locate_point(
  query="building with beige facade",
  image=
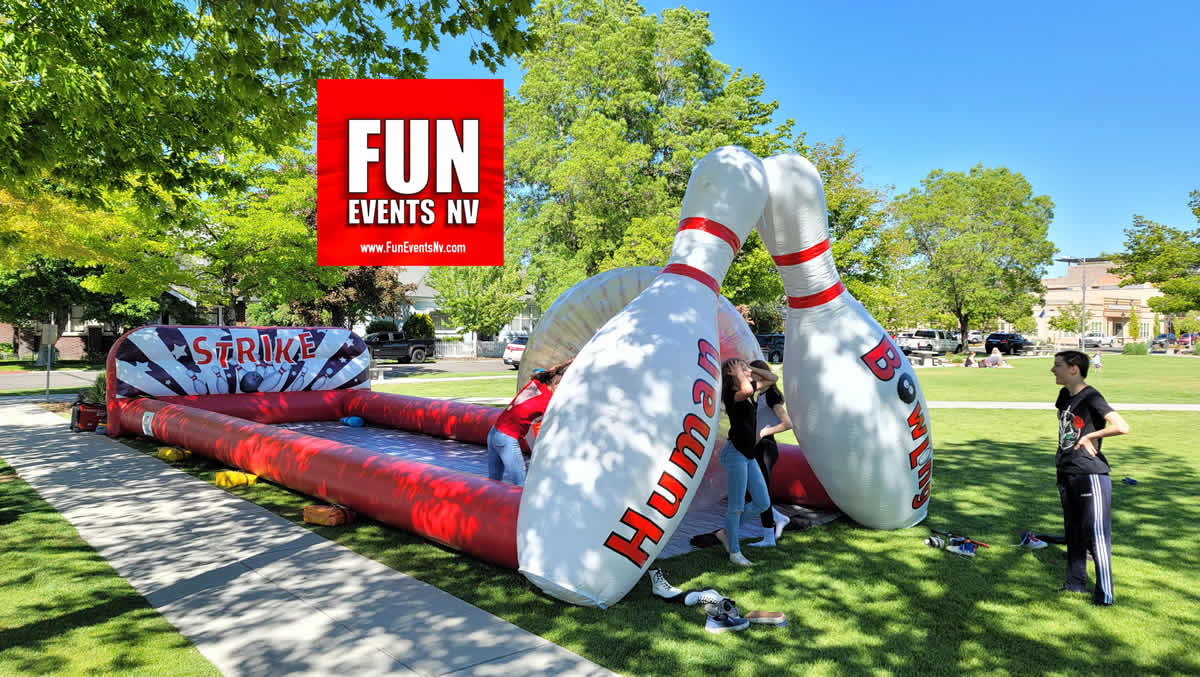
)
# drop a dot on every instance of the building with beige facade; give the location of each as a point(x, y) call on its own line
point(1109, 305)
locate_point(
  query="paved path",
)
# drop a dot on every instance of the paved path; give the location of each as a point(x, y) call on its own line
point(255, 593)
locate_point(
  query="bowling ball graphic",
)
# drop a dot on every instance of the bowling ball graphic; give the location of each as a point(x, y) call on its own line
point(251, 381)
point(906, 388)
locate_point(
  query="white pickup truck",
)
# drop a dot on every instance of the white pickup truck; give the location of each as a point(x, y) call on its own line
point(935, 340)
point(1097, 340)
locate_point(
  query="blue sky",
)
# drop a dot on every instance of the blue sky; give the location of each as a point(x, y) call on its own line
point(1097, 104)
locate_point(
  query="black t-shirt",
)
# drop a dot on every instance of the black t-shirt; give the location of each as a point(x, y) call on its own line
point(1080, 415)
point(743, 421)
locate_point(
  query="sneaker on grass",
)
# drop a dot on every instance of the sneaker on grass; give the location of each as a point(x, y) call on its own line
point(1030, 541)
point(725, 623)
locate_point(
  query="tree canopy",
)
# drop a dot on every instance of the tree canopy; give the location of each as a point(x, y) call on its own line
point(983, 237)
point(1167, 257)
point(481, 299)
point(99, 93)
point(602, 135)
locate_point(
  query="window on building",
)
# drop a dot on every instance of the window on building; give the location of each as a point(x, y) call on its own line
point(75, 321)
point(1146, 330)
point(1096, 326)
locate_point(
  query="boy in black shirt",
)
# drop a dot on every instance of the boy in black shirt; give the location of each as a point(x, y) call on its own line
point(1084, 486)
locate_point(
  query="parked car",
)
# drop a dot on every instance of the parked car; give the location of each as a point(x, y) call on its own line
point(1095, 339)
point(974, 336)
point(1187, 340)
point(1163, 340)
point(393, 345)
point(937, 340)
point(1009, 344)
point(514, 350)
point(772, 346)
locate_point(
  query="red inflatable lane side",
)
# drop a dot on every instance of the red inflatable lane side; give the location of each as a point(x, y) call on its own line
point(467, 513)
point(297, 407)
point(793, 480)
point(440, 418)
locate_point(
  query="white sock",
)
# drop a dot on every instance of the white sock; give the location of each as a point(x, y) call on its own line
point(739, 559)
point(781, 521)
point(768, 539)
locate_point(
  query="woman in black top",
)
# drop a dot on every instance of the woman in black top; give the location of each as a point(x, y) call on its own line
point(740, 382)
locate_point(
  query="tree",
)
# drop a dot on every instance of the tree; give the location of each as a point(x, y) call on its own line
point(481, 299)
point(1190, 323)
point(766, 318)
point(1167, 257)
point(30, 293)
point(601, 138)
point(1135, 327)
point(1069, 318)
point(418, 325)
point(358, 292)
point(982, 236)
point(99, 92)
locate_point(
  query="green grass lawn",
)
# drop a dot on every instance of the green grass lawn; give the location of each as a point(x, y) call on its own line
point(860, 601)
point(493, 387)
point(1125, 378)
point(42, 391)
point(28, 365)
point(64, 611)
point(1158, 379)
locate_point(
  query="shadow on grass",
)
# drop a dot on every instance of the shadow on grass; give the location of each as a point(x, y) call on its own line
point(861, 601)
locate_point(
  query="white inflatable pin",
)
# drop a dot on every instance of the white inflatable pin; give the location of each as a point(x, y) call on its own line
point(631, 428)
point(864, 423)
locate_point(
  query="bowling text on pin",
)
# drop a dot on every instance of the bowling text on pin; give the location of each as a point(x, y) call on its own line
point(419, 154)
point(670, 491)
point(884, 362)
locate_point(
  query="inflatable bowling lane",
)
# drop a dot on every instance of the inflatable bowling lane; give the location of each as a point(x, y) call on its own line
point(864, 422)
point(632, 426)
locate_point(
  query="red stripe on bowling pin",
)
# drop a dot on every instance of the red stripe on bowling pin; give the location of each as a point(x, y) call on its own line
point(818, 299)
point(802, 255)
point(712, 228)
point(694, 273)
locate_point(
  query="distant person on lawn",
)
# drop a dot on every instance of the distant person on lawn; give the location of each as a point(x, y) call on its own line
point(1084, 485)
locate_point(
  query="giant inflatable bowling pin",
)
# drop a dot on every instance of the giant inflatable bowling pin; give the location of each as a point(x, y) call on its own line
point(631, 428)
point(857, 409)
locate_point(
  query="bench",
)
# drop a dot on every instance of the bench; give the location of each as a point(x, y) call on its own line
point(928, 358)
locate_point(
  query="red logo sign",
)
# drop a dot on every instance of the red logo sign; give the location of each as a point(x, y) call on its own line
point(410, 172)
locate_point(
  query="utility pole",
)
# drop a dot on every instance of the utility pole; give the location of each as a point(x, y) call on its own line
point(51, 340)
point(1083, 289)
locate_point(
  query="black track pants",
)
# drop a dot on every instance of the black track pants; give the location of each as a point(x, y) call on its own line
point(1088, 521)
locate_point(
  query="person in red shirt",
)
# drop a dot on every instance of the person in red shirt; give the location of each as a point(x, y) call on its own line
point(506, 439)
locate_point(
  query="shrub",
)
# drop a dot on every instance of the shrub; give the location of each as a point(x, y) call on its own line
point(418, 326)
point(451, 339)
point(98, 392)
point(7, 348)
point(1134, 349)
point(377, 326)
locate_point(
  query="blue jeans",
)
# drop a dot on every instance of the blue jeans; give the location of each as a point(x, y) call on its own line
point(504, 457)
point(743, 474)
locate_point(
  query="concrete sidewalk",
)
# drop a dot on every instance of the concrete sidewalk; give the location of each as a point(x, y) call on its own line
point(255, 593)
